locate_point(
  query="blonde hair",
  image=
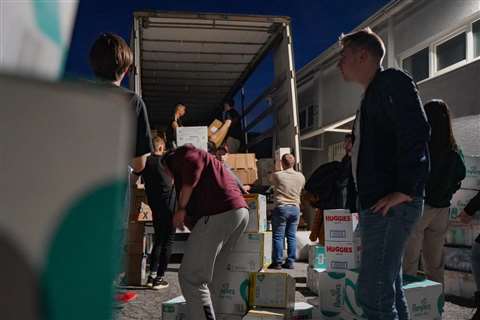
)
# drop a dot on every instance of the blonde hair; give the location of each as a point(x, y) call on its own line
point(364, 39)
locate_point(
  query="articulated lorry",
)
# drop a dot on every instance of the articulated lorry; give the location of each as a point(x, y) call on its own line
point(202, 59)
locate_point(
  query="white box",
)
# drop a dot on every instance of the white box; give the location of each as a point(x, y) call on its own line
point(257, 208)
point(175, 309)
point(459, 284)
point(330, 293)
point(272, 290)
point(230, 292)
point(459, 202)
point(252, 252)
point(301, 311)
point(198, 136)
point(342, 256)
point(472, 178)
point(340, 225)
point(313, 278)
point(424, 297)
point(317, 257)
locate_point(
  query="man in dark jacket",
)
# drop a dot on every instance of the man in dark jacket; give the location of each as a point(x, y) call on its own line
point(390, 163)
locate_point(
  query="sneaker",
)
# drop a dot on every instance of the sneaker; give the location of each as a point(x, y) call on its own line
point(159, 283)
point(150, 281)
point(287, 265)
point(275, 266)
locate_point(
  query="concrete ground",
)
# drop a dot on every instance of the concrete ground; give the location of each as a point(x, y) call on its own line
point(148, 305)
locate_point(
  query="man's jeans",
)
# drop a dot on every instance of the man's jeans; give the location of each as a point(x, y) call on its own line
point(383, 245)
point(284, 223)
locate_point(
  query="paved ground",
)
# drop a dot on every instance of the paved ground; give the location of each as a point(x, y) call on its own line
point(149, 302)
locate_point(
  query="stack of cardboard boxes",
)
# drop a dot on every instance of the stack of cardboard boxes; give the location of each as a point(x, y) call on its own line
point(460, 237)
point(135, 254)
point(244, 165)
point(333, 275)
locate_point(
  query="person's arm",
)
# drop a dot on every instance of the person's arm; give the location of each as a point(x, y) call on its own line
point(174, 124)
point(466, 216)
point(183, 198)
point(403, 111)
point(143, 141)
point(138, 164)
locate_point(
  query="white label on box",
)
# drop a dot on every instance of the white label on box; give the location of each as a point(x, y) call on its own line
point(459, 202)
point(231, 292)
point(340, 225)
point(198, 136)
point(257, 208)
point(472, 178)
point(174, 309)
point(342, 256)
point(330, 292)
point(272, 290)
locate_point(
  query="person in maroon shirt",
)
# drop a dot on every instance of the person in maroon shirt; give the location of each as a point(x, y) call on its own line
point(209, 195)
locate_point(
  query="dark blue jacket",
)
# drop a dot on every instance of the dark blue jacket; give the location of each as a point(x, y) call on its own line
point(394, 133)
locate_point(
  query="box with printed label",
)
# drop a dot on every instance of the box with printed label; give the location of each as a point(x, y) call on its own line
point(330, 293)
point(459, 284)
point(301, 311)
point(231, 292)
point(257, 207)
point(252, 252)
point(175, 309)
point(424, 297)
point(342, 256)
point(317, 257)
point(272, 290)
point(472, 177)
point(459, 202)
point(198, 136)
point(340, 225)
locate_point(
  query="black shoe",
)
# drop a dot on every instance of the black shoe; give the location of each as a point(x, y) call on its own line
point(150, 281)
point(159, 283)
point(287, 265)
point(275, 266)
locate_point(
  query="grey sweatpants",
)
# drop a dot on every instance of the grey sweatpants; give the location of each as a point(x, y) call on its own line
point(206, 253)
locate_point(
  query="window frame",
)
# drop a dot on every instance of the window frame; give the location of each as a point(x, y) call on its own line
point(414, 53)
point(444, 40)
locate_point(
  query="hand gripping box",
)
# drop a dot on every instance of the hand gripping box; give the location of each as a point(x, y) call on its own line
point(174, 309)
point(252, 252)
point(424, 297)
point(272, 290)
point(257, 207)
point(316, 257)
point(342, 256)
point(230, 292)
point(340, 225)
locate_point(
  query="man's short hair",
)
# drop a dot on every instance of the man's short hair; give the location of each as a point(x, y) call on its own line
point(230, 102)
point(158, 142)
point(364, 39)
point(288, 161)
point(110, 57)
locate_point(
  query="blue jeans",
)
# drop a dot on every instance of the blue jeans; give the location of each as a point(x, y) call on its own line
point(284, 223)
point(383, 245)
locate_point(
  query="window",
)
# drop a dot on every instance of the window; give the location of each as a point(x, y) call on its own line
point(452, 51)
point(417, 65)
point(476, 38)
point(303, 119)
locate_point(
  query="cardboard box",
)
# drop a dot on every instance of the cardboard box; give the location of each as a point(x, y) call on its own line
point(241, 161)
point(246, 176)
point(265, 168)
point(139, 208)
point(230, 292)
point(331, 287)
point(214, 126)
point(301, 311)
point(472, 178)
point(263, 315)
point(257, 207)
point(342, 256)
point(459, 202)
point(272, 290)
point(174, 309)
point(135, 232)
point(252, 252)
point(459, 284)
point(424, 297)
point(317, 258)
point(340, 225)
point(198, 136)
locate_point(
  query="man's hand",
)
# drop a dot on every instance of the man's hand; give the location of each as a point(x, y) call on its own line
point(465, 217)
point(179, 219)
point(390, 201)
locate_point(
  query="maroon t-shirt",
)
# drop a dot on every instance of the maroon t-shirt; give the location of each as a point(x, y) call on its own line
point(215, 190)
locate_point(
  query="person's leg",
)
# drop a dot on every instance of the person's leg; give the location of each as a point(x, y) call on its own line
point(203, 246)
point(156, 249)
point(278, 235)
point(167, 234)
point(383, 245)
point(414, 244)
point(433, 245)
point(291, 233)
